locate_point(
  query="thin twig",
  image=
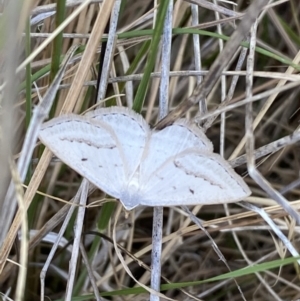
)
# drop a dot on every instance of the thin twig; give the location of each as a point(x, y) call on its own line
point(163, 109)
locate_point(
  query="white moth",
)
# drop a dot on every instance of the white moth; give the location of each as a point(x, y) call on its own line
point(115, 149)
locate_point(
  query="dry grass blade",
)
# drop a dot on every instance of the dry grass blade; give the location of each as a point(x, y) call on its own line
point(254, 173)
point(88, 55)
point(268, 149)
point(39, 115)
point(21, 284)
point(77, 239)
point(202, 90)
point(216, 8)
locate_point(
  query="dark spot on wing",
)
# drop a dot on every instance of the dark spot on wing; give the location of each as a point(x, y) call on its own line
point(192, 191)
point(84, 159)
